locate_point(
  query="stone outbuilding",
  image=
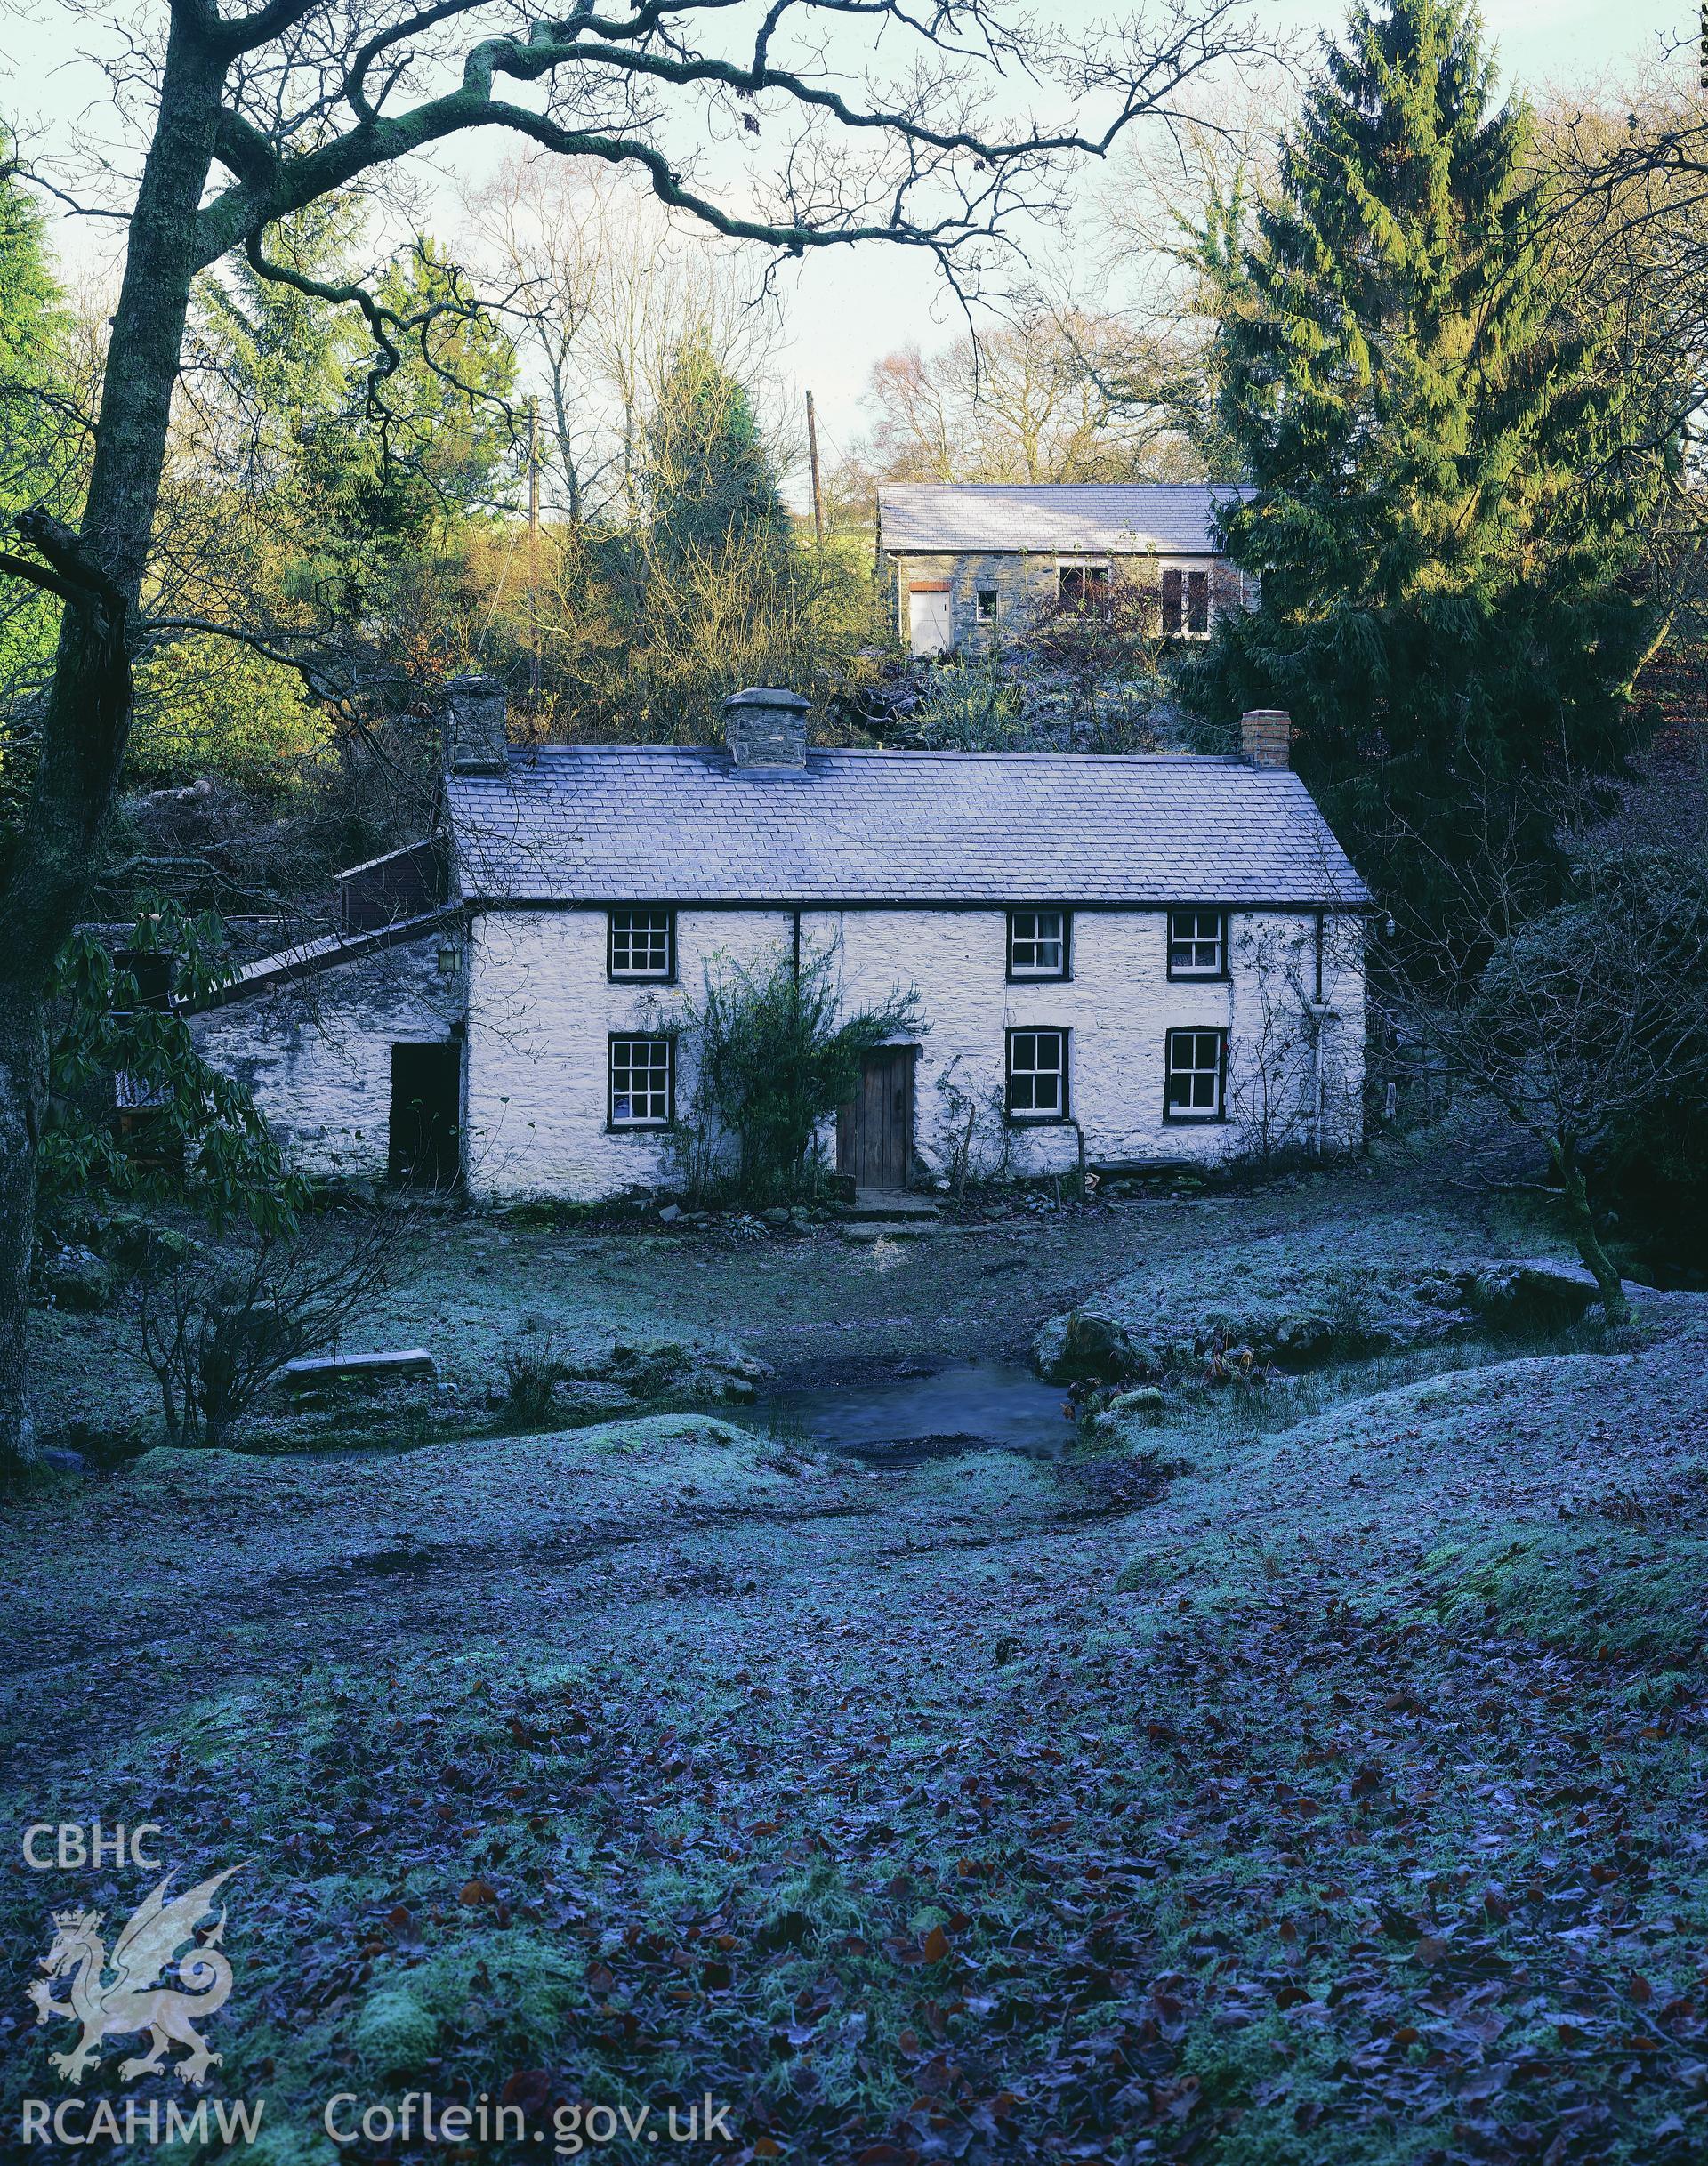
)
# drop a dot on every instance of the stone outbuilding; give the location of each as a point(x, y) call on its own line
point(1119, 960)
point(970, 564)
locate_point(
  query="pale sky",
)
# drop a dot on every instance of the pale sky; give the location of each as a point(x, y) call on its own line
point(846, 310)
point(849, 310)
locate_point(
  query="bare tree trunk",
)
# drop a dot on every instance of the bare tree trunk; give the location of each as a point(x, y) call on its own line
point(64, 828)
point(1581, 1219)
point(23, 1093)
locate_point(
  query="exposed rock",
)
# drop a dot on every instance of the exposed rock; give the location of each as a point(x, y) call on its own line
point(713, 1371)
point(1299, 1316)
point(74, 1278)
point(1084, 1345)
point(1147, 1400)
point(1534, 1291)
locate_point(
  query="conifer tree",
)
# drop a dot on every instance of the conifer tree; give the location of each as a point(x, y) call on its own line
point(710, 477)
point(1447, 547)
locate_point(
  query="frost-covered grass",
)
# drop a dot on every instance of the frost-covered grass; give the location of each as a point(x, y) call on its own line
point(1338, 1806)
point(1617, 1593)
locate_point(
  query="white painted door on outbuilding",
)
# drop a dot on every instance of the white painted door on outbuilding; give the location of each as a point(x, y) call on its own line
point(931, 628)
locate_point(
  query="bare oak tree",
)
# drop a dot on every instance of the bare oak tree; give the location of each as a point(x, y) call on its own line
point(795, 124)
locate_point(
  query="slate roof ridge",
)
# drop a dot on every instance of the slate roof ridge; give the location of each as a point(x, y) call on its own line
point(521, 755)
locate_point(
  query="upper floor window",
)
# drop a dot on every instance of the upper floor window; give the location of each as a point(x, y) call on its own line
point(1197, 944)
point(1037, 944)
point(1197, 1074)
point(642, 943)
point(1037, 1075)
point(1186, 603)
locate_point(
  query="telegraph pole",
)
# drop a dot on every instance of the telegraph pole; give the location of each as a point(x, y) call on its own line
point(533, 471)
point(812, 458)
point(533, 670)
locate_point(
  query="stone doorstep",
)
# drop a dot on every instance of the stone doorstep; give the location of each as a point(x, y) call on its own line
point(887, 1229)
point(873, 1206)
point(312, 1370)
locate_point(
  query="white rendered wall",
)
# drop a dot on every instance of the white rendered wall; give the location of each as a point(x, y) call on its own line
point(316, 1052)
point(541, 1010)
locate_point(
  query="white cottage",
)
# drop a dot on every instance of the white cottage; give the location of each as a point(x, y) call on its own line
point(1121, 960)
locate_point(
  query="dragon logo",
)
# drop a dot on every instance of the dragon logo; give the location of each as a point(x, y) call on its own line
point(133, 1998)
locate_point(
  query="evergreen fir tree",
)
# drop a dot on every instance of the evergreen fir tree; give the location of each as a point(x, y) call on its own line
point(709, 478)
point(1448, 600)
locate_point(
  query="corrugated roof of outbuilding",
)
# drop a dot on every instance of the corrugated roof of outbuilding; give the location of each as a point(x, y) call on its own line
point(1112, 519)
point(683, 824)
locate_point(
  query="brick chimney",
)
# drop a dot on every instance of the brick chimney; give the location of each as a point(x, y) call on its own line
point(766, 725)
point(475, 738)
point(1266, 737)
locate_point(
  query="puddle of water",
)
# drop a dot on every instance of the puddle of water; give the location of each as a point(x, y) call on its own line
point(970, 1407)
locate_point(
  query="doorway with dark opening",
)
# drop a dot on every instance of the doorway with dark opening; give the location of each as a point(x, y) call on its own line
point(426, 1114)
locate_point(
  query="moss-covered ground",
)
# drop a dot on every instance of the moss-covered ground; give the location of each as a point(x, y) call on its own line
point(1335, 1796)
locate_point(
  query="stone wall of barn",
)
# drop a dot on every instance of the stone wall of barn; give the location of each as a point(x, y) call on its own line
point(541, 1011)
point(316, 1051)
point(1020, 584)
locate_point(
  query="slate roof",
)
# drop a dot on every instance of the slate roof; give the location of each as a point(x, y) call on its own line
point(666, 823)
point(308, 957)
point(1172, 517)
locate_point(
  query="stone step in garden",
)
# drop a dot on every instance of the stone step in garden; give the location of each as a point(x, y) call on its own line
point(887, 1229)
point(315, 1371)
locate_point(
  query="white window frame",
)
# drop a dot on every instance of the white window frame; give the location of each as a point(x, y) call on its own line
point(1084, 565)
point(1030, 1075)
point(656, 1043)
point(1197, 939)
point(1186, 567)
point(1030, 972)
point(649, 973)
point(1215, 1108)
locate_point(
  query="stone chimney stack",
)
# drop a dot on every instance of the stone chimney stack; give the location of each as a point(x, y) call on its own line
point(1266, 737)
point(766, 725)
point(475, 738)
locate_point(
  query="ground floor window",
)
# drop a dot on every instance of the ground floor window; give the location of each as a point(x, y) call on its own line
point(1085, 587)
point(643, 1081)
point(1037, 1075)
point(1186, 603)
point(984, 599)
point(1197, 1073)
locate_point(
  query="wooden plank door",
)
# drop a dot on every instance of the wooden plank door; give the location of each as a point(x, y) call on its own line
point(874, 1130)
